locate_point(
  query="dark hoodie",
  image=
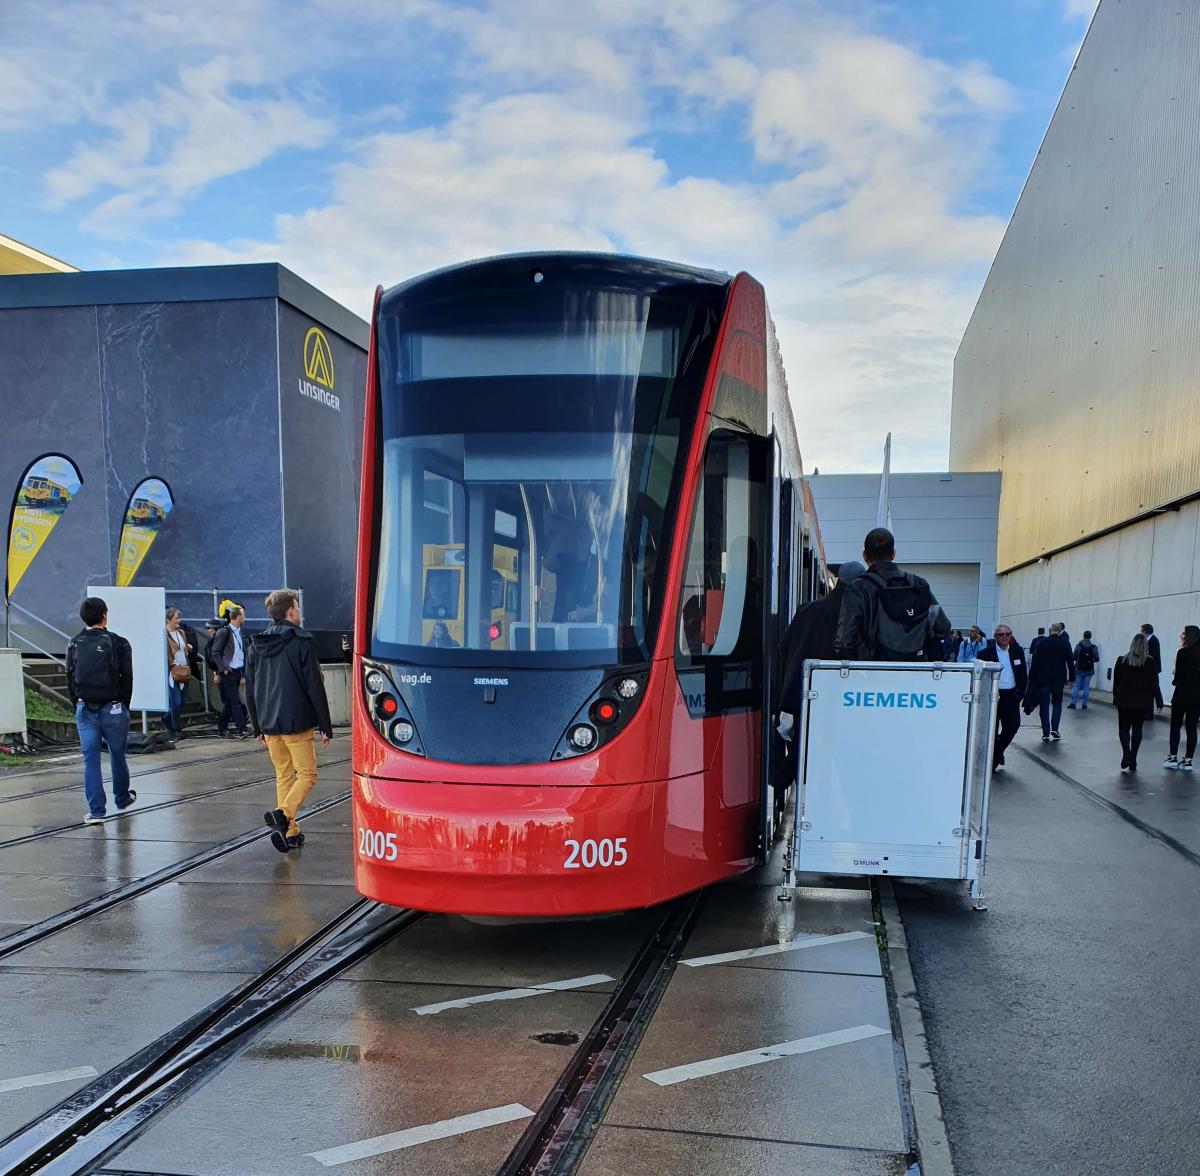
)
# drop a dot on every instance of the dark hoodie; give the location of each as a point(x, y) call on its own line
point(283, 683)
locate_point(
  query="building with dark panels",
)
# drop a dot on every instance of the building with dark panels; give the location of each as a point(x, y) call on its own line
point(241, 386)
point(1079, 373)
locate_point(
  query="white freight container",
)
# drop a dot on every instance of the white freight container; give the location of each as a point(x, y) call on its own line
point(894, 769)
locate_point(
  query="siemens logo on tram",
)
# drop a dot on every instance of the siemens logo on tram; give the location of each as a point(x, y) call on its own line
point(897, 701)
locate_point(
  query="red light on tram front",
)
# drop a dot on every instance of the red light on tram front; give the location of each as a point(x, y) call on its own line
point(604, 710)
point(494, 631)
point(388, 706)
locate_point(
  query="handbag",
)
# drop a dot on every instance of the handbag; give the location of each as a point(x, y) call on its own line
point(181, 675)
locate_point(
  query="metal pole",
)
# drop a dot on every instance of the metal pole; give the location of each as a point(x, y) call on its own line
point(216, 601)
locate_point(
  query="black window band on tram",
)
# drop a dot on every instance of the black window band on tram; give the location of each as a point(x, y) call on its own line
point(532, 437)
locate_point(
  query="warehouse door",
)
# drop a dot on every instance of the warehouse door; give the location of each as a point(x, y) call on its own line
point(956, 587)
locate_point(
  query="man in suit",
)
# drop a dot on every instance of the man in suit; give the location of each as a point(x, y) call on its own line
point(1052, 668)
point(1154, 648)
point(228, 654)
point(1041, 636)
point(1014, 678)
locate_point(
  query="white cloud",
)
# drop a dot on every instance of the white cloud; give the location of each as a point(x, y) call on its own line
point(1080, 9)
point(854, 156)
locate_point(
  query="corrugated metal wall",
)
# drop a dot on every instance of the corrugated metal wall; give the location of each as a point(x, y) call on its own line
point(1079, 373)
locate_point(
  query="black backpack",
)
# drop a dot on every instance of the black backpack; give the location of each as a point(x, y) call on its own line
point(901, 618)
point(1085, 660)
point(95, 668)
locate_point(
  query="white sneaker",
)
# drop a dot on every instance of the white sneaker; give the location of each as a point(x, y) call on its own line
point(1171, 762)
point(1185, 766)
point(91, 819)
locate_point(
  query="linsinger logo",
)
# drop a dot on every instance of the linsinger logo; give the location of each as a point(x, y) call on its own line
point(318, 367)
point(896, 701)
point(491, 681)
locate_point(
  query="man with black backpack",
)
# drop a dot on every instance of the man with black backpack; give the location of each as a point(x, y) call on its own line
point(1087, 658)
point(100, 683)
point(888, 614)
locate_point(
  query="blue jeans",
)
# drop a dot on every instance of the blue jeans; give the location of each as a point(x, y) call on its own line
point(1083, 683)
point(92, 725)
point(175, 705)
point(1050, 707)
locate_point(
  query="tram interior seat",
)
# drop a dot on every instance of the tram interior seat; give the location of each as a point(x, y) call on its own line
point(563, 636)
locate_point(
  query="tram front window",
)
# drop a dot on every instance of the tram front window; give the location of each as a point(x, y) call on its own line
point(530, 461)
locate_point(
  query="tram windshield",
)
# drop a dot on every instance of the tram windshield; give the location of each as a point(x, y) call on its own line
point(531, 446)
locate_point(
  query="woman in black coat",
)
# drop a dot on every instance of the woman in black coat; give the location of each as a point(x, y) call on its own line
point(1135, 679)
point(1185, 702)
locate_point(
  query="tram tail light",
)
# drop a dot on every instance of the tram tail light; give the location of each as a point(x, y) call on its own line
point(604, 711)
point(387, 706)
point(388, 712)
point(494, 631)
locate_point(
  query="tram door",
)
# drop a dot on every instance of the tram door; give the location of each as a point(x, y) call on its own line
point(775, 619)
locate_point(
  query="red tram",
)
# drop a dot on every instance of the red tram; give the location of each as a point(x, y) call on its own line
point(582, 519)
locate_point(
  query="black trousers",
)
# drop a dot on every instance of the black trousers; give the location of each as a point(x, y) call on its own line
point(1184, 716)
point(1129, 729)
point(1008, 722)
point(232, 709)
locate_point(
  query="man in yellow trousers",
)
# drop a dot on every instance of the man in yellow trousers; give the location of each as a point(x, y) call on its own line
point(288, 706)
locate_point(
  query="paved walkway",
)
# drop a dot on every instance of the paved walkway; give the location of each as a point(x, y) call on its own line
point(1062, 1021)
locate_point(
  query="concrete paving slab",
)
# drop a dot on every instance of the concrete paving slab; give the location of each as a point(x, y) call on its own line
point(95, 856)
point(60, 1020)
point(323, 859)
point(736, 917)
point(622, 1151)
point(354, 1064)
point(845, 1095)
point(497, 955)
point(212, 928)
point(30, 898)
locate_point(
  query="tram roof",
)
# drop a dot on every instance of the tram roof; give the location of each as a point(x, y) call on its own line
point(646, 273)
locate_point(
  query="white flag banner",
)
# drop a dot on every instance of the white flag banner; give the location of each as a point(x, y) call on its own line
point(883, 512)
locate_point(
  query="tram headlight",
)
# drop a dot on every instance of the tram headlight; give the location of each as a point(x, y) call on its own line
point(582, 737)
point(403, 731)
point(375, 681)
point(627, 688)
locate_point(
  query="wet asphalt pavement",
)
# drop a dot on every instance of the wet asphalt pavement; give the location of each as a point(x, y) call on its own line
point(1062, 1022)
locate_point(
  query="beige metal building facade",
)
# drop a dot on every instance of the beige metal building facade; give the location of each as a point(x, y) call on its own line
point(1078, 376)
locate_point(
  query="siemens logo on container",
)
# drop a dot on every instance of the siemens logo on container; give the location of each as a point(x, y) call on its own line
point(896, 701)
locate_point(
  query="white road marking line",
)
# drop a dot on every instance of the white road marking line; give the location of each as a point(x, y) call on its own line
point(417, 1135)
point(775, 948)
point(513, 993)
point(47, 1079)
point(768, 1053)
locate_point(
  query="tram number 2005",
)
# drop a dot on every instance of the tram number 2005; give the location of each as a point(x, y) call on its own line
point(587, 855)
point(381, 846)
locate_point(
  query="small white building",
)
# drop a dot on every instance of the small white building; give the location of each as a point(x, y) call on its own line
point(945, 527)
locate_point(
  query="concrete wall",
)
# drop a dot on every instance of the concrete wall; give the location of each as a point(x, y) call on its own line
point(941, 521)
point(1149, 571)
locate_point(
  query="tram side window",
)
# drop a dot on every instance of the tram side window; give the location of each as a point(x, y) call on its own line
point(722, 583)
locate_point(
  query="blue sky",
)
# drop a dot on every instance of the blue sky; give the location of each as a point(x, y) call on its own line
point(860, 158)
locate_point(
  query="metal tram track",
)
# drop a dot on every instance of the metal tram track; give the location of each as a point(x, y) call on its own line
point(558, 1135)
point(150, 808)
point(106, 1116)
point(27, 936)
point(214, 759)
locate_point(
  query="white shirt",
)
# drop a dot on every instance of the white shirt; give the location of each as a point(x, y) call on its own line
point(178, 647)
point(1008, 680)
point(239, 658)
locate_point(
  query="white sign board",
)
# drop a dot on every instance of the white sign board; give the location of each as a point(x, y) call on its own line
point(140, 616)
point(886, 756)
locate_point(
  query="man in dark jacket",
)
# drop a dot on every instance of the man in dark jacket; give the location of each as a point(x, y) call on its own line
point(1052, 668)
point(228, 653)
point(287, 705)
point(100, 684)
point(1014, 679)
point(1155, 651)
point(865, 609)
point(811, 634)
